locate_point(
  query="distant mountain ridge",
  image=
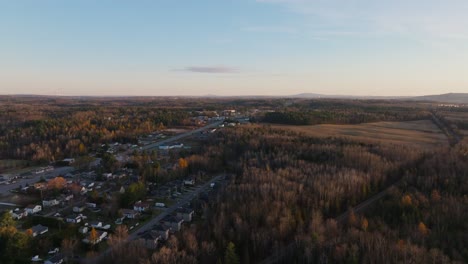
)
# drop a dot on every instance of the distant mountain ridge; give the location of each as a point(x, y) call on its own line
point(451, 98)
point(454, 98)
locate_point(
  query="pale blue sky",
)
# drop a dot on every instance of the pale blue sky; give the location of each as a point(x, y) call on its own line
point(236, 47)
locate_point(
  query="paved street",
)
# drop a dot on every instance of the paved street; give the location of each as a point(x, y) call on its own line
point(180, 202)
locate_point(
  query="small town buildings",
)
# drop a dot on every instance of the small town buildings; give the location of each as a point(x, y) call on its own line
point(150, 240)
point(162, 231)
point(79, 209)
point(39, 230)
point(174, 223)
point(50, 202)
point(100, 236)
point(185, 213)
point(68, 161)
point(74, 219)
point(83, 229)
point(96, 224)
point(33, 209)
point(189, 182)
point(130, 214)
point(141, 206)
point(18, 214)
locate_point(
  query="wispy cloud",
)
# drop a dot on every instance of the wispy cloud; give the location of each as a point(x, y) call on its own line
point(271, 29)
point(209, 69)
point(421, 18)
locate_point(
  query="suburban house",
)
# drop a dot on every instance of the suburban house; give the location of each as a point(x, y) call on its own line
point(39, 230)
point(74, 219)
point(189, 181)
point(79, 209)
point(66, 197)
point(57, 259)
point(174, 223)
point(161, 231)
point(96, 224)
point(185, 213)
point(141, 206)
point(83, 229)
point(50, 202)
point(151, 240)
point(68, 161)
point(100, 236)
point(129, 213)
point(18, 214)
point(32, 209)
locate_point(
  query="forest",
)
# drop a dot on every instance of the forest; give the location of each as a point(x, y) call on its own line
point(289, 197)
point(290, 189)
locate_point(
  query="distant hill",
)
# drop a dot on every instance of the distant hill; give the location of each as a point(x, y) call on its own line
point(455, 98)
point(314, 95)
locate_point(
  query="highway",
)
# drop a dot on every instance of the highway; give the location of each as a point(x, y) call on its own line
point(181, 136)
point(5, 188)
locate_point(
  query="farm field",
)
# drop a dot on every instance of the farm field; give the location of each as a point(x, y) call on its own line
point(422, 134)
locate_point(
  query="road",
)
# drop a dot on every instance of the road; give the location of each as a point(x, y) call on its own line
point(181, 136)
point(154, 221)
point(183, 201)
point(453, 137)
point(4, 189)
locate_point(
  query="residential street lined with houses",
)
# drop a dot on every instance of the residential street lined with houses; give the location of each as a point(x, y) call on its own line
point(189, 196)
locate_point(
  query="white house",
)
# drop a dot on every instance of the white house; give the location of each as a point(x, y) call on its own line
point(50, 202)
point(18, 214)
point(189, 182)
point(79, 209)
point(83, 229)
point(33, 209)
point(74, 219)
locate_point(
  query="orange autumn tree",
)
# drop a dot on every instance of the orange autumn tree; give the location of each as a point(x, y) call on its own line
point(183, 163)
point(56, 183)
point(93, 236)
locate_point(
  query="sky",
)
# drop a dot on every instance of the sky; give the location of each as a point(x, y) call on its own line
point(233, 47)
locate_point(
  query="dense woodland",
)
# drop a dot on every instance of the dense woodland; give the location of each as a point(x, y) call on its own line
point(290, 187)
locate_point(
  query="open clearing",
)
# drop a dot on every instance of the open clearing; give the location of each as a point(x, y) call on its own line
point(422, 133)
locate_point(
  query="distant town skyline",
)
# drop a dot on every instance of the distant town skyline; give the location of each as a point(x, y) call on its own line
point(230, 48)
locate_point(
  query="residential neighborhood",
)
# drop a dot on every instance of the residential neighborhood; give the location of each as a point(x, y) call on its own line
point(91, 201)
